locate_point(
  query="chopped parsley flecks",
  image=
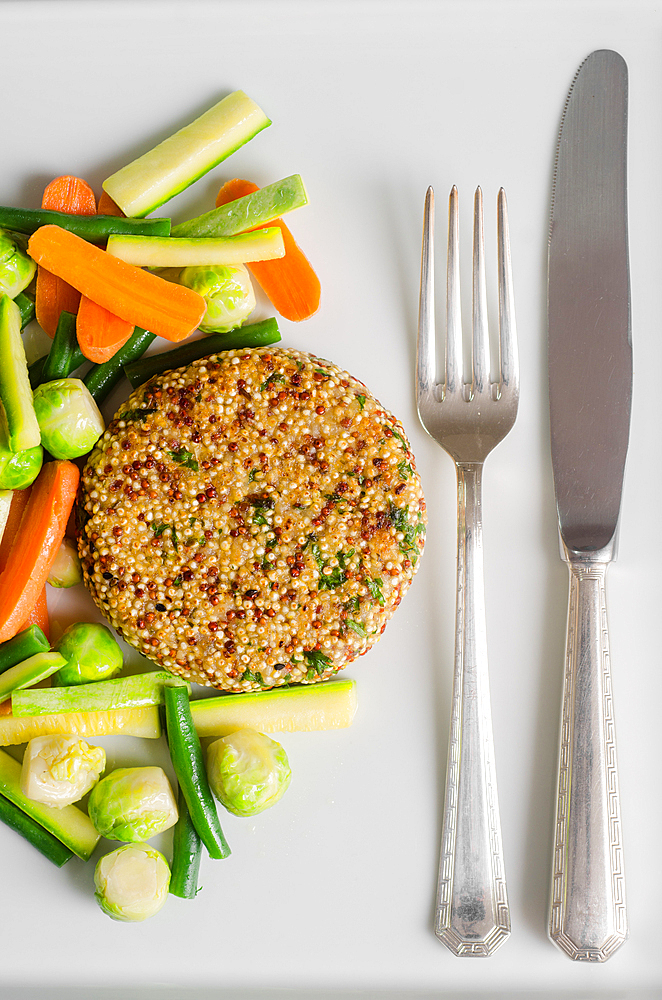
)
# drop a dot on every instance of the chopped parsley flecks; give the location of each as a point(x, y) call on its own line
point(405, 469)
point(317, 663)
point(255, 677)
point(361, 400)
point(158, 530)
point(259, 518)
point(251, 475)
point(273, 378)
point(398, 517)
point(140, 415)
point(357, 627)
point(400, 438)
point(185, 458)
point(374, 586)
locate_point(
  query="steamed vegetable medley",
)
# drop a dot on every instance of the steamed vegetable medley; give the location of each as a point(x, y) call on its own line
point(103, 281)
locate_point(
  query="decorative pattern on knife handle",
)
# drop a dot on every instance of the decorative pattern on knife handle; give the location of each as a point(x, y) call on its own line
point(588, 919)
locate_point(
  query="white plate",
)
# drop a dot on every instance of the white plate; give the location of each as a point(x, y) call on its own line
point(371, 102)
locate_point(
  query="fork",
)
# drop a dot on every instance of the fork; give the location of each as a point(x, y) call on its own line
point(468, 420)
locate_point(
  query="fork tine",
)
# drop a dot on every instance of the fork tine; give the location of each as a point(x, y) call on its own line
point(507, 330)
point(481, 344)
point(425, 346)
point(453, 311)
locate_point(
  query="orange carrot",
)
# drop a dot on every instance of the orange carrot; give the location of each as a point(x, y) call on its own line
point(19, 502)
point(100, 333)
point(38, 615)
point(139, 297)
point(108, 207)
point(36, 543)
point(289, 282)
point(53, 295)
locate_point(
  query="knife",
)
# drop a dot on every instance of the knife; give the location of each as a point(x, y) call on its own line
point(590, 389)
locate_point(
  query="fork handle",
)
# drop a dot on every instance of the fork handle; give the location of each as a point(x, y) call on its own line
point(588, 919)
point(472, 917)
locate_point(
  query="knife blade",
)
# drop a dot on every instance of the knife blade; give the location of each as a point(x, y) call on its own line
point(590, 390)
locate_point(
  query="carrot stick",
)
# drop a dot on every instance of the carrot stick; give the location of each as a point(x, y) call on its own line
point(108, 207)
point(139, 297)
point(38, 538)
point(53, 295)
point(38, 615)
point(100, 333)
point(289, 282)
point(19, 502)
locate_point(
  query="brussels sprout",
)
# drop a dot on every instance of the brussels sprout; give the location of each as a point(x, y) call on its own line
point(16, 268)
point(226, 289)
point(59, 770)
point(247, 771)
point(19, 469)
point(91, 652)
point(132, 803)
point(69, 420)
point(65, 569)
point(131, 883)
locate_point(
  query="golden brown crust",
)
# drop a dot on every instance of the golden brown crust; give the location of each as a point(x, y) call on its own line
point(251, 520)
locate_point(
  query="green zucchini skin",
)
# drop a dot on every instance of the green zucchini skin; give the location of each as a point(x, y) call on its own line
point(254, 335)
point(187, 760)
point(102, 379)
point(34, 833)
point(30, 671)
point(27, 643)
point(163, 252)
point(63, 349)
point(15, 388)
point(70, 824)
point(186, 854)
point(256, 209)
point(98, 696)
point(94, 228)
point(159, 174)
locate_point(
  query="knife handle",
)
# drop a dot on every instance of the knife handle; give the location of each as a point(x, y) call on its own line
point(588, 919)
point(472, 915)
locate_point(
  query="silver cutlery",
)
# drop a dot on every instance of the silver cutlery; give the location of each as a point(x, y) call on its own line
point(590, 387)
point(468, 420)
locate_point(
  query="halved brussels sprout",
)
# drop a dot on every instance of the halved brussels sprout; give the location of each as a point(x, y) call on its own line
point(132, 882)
point(59, 770)
point(18, 469)
point(226, 289)
point(248, 772)
point(91, 652)
point(65, 569)
point(16, 268)
point(132, 803)
point(69, 420)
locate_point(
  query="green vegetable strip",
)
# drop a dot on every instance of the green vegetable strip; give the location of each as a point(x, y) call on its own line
point(27, 643)
point(69, 824)
point(30, 671)
point(186, 756)
point(256, 209)
point(63, 349)
point(102, 379)
point(255, 335)
point(34, 832)
point(26, 306)
point(94, 228)
point(97, 696)
point(186, 854)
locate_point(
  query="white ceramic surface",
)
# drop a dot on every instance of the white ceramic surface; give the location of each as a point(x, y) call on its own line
point(371, 102)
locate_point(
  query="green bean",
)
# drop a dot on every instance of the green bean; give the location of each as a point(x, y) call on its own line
point(95, 228)
point(255, 335)
point(101, 379)
point(63, 349)
point(186, 756)
point(26, 305)
point(186, 854)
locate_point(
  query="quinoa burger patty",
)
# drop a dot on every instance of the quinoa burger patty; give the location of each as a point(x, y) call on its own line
point(251, 520)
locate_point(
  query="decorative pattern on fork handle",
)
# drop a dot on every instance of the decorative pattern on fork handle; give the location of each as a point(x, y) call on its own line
point(468, 421)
